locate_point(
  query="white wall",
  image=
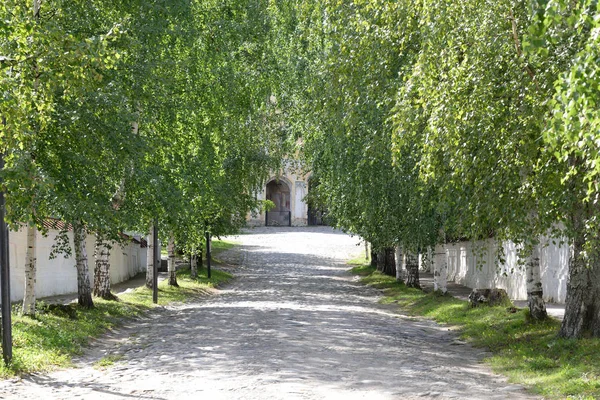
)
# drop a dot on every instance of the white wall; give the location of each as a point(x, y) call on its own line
point(59, 276)
point(476, 265)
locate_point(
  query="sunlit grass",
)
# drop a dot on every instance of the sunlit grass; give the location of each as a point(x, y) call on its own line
point(108, 361)
point(528, 352)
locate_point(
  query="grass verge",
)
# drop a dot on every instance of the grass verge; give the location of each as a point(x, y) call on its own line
point(527, 352)
point(56, 334)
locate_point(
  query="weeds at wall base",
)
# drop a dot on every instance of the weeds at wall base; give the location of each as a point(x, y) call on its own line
point(526, 351)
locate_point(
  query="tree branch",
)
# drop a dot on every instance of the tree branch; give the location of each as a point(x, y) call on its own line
point(511, 16)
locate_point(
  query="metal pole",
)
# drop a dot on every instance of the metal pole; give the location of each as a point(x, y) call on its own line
point(155, 262)
point(5, 277)
point(208, 255)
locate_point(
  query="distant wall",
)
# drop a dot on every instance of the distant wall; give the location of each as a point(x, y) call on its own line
point(476, 265)
point(59, 275)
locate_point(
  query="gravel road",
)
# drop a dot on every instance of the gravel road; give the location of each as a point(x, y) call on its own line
point(294, 324)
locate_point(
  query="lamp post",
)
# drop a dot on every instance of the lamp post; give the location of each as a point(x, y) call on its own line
point(155, 262)
point(5, 275)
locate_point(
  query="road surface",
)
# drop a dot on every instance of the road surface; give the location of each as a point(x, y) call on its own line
point(294, 324)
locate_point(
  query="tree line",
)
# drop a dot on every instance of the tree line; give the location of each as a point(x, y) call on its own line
point(427, 122)
point(115, 115)
point(423, 122)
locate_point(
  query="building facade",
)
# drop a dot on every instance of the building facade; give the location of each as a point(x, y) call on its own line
point(287, 190)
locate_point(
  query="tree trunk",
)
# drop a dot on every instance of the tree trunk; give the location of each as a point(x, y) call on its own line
point(381, 260)
point(399, 260)
point(193, 264)
point(30, 271)
point(535, 299)
point(171, 263)
point(84, 290)
point(102, 271)
point(150, 259)
point(440, 271)
point(390, 262)
point(582, 306)
point(366, 250)
point(373, 258)
point(412, 270)
point(30, 258)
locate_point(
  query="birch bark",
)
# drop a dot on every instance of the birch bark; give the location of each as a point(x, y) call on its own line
point(582, 306)
point(84, 290)
point(535, 300)
point(102, 271)
point(30, 271)
point(412, 270)
point(150, 259)
point(30, 258)
point(193, 265)
point(171, 263)
point(381, 260)
point(400, 271)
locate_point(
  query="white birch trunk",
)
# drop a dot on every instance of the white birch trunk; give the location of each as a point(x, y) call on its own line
point(150, 259)
point(30, 271)
point(193, 265)
point(440, 271)
point(411, 262)
point(102, 271)
point(84, 290)
point(366, 250)
point(535, 300)
point(30, 258)
point(171, 262)
point(400, 271)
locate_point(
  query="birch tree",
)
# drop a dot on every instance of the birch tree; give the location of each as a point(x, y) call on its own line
point(171, 261)
point(563, 45)
point(84, 292)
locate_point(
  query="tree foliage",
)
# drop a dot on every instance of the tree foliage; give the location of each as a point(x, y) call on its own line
point(434, 121)
point(115, 114)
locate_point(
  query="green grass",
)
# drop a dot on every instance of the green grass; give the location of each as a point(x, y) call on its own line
point(53, 337)
point(528, 352)
point(217, 247)
point(221, 245)
point(108, 361)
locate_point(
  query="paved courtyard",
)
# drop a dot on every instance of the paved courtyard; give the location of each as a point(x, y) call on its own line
point(293, 325)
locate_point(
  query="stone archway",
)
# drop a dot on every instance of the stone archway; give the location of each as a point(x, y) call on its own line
point(278, 191)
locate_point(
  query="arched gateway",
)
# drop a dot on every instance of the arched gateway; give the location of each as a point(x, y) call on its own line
point(288, 192)
point(279, 193)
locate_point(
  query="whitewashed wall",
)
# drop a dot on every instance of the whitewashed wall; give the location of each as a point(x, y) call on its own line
point(59, 276)
point(476, 265)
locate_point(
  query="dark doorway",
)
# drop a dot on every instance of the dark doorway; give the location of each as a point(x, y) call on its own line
point(279, 193)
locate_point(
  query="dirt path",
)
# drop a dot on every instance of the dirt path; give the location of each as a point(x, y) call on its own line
point(293, 325)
